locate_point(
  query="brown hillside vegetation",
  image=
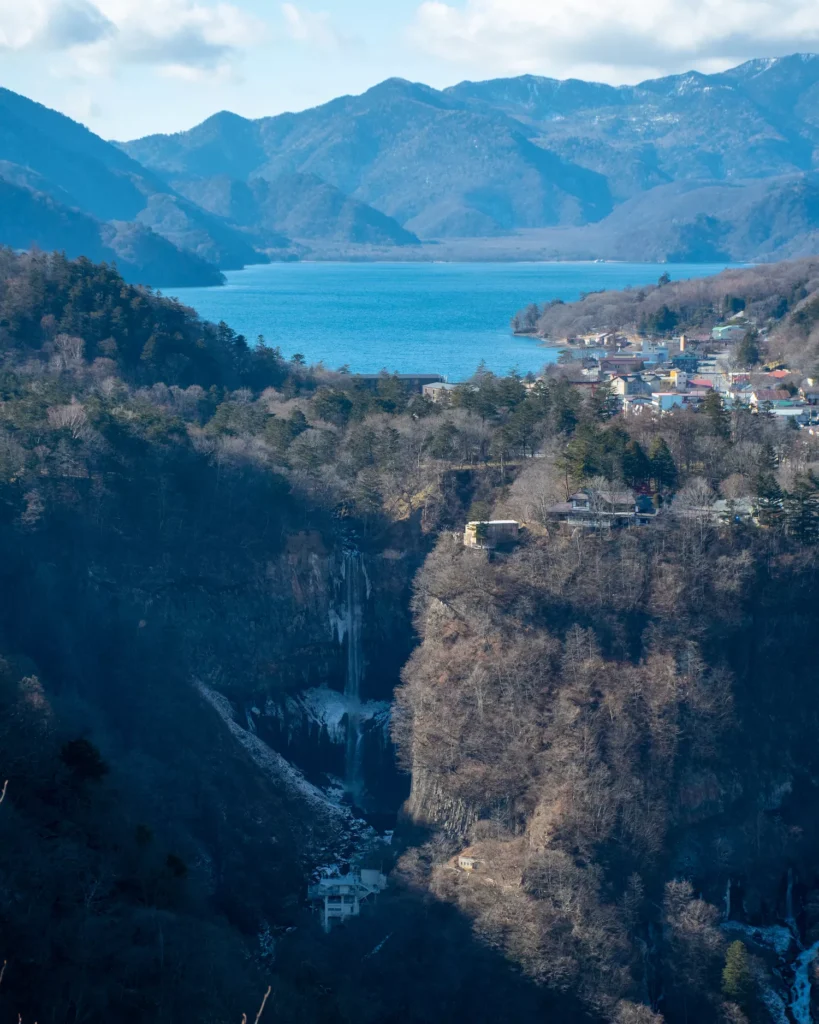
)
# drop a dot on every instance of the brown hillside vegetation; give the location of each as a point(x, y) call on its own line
point(602, 719)
point(772, 295)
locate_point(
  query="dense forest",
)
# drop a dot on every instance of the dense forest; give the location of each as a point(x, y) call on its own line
point(783, 296)
point(619, 726)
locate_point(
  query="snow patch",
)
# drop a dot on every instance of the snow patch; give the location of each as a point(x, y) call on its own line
point(775, 1004)
point(775, 936)
point(271, 762)
point(380, 946)
point(326, 708)
point(332, 710)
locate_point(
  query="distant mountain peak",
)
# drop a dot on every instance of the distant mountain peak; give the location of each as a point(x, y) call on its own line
point(477, 160)
point(401, 88)
point(226, 117)
point(762, 65)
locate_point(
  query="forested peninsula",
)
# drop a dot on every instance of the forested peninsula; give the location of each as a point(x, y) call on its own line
point(589, 767)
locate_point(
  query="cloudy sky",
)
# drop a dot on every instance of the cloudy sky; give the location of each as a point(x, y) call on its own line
point(130, 67)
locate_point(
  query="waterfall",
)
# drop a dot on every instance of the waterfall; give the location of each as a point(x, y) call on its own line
point(355, 591)
point(790, 920)
point(727, 914)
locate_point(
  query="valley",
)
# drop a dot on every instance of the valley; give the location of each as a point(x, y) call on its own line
point(248, 648)
point(409, 512)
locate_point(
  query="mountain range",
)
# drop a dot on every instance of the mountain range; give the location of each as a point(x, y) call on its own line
point(689, 167)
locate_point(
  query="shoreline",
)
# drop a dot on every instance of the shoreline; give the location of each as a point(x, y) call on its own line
point(546, 342)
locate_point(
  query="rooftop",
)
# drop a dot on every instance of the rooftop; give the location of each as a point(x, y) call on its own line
point(493, 522)
point(767, 395)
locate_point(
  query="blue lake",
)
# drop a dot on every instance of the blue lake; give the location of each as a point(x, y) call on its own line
point(409, 317)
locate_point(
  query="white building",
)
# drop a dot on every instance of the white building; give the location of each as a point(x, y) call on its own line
point(729, 332)
point(665, 401)
point(342, 895)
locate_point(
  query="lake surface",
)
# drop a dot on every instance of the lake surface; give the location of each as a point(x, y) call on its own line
point(410, 317)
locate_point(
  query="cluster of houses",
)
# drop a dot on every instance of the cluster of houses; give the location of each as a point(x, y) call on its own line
point(657, 377)
point(595, 509)
point(650, 376)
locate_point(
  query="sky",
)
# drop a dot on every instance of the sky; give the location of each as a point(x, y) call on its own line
point(129, 68)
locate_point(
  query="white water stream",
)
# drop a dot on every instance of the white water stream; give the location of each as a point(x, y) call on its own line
point(782, 940)
point(800, 991)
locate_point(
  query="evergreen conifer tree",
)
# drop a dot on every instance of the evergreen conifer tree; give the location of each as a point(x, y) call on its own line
point(604, 401)
point(748, 353)
point(636, 465)
point(717, 414)
point(769, 500)
point(767, 458)
point(737, 980)
point(663, 467)
point(800, 510)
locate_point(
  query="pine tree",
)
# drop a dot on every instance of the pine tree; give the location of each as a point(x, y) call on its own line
point(604, 401)
point(800, 510)
point(769, 500)
point(748, 353)
point(663, 467)
point(636, 465)
point(767, 457)
point(531, 315)
point(717, 414)
point(737, 981)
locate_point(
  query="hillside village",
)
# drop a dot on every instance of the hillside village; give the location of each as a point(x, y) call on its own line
point(658, 376)
point(633, 375)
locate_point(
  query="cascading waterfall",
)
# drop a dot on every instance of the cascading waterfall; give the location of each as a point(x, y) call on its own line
point(355, 588)
point(790, 920)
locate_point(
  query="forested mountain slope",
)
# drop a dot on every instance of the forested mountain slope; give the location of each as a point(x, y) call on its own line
point(492, 158)
point(174, 510)
point(782, 299)
point(44, 154)
point(30, 216)
point(421, 158)
point(619, 727)
point(300, 205)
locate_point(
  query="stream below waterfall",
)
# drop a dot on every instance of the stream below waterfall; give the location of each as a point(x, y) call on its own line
point(786, 942)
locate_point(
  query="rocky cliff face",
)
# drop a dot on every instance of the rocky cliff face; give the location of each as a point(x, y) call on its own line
point(607, 726)
point(333, 719)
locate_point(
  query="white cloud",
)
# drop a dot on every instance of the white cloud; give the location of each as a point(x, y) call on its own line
point(188, 38)
point(313, 28)
point(617, 40)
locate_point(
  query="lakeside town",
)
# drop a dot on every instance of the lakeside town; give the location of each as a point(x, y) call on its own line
point(645, 376)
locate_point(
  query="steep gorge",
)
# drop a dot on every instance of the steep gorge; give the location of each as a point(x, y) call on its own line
point(596, 720)
point(336, 727)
